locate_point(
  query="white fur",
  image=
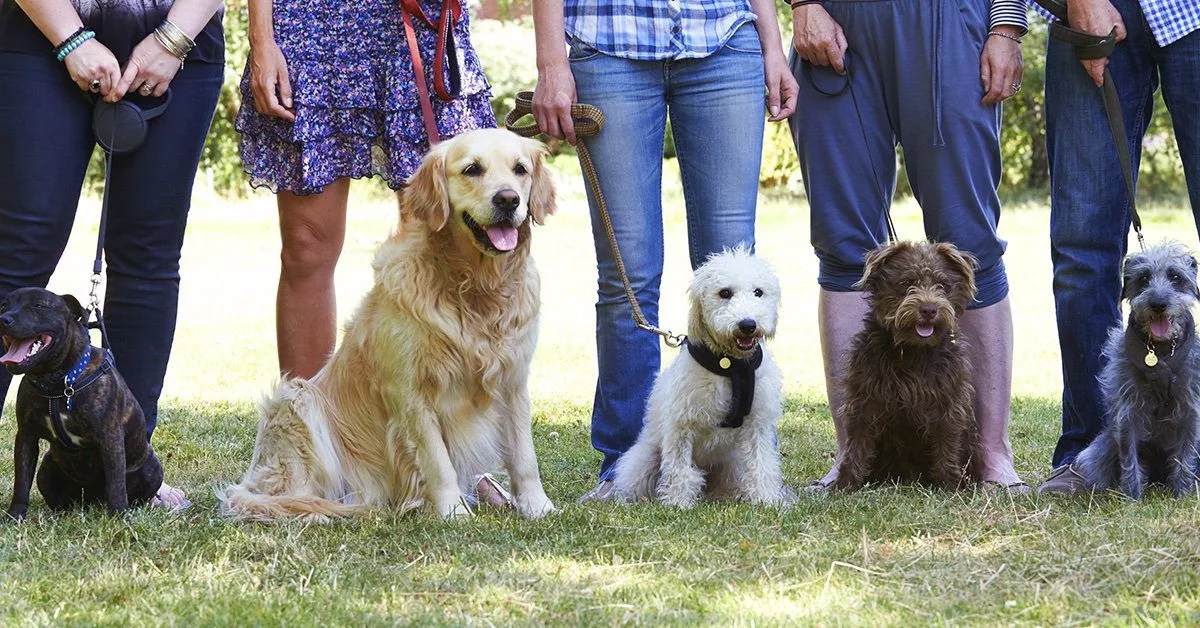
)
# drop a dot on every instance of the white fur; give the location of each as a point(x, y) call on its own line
point(682, 454)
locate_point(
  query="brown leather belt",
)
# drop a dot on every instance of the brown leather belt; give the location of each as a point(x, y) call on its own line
point(447, 57)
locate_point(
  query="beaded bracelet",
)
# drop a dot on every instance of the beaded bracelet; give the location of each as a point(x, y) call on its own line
point(72, 43)
point(1004, 35)
point(62, 44)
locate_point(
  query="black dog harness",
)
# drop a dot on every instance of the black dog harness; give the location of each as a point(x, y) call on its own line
point(740, 373)
point(71, 385)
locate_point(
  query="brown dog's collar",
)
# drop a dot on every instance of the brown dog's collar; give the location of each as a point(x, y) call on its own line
point(740, 372)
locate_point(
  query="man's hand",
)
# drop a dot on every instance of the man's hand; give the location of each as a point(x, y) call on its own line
point(1097, 17)
point(818, 38)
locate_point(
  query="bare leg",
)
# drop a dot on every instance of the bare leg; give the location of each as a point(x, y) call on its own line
point(839, 317)
point(988, 334)
point(312, 230)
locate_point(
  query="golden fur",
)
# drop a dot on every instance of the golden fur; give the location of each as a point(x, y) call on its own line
point(429, 386)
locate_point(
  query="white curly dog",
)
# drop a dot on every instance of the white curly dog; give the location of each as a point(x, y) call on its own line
point(710, 421)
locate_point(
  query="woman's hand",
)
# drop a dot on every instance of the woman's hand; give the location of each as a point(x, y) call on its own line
point(1001, 66)
point(92, 61)
point(818, 38)
point(268, 73)
point(782, 88)
point(149, 71)
point(552, 99)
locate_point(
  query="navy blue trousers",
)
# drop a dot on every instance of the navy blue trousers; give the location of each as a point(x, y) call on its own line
point(914, 81)
point(45, 144)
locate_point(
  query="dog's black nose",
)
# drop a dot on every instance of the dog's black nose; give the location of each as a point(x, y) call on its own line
point(1158, 307)
point(748, 325)
point(7, 320)
point(927, 310)
point(506, 201)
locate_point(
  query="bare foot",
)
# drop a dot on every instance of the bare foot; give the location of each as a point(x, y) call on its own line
point(170, 497)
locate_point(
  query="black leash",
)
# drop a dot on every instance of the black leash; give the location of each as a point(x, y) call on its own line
point(93, 309)
point(1088, 46)
point(885, 200)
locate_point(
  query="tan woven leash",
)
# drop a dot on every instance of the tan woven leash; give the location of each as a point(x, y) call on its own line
point(588, 122)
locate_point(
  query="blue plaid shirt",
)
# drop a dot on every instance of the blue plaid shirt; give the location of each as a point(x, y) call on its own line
point(655, 29)
point(1169, 20)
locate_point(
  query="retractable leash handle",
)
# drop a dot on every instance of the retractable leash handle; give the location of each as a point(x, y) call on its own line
point(589, 120)
point(1088, 46)
point(120, 128)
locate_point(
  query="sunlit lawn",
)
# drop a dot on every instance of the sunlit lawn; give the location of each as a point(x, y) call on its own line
point(895, 556)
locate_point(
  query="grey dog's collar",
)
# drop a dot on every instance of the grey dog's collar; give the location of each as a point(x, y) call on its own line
point(740, 372)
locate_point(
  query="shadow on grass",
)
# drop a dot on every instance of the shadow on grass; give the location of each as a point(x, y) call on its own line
point(887, 555)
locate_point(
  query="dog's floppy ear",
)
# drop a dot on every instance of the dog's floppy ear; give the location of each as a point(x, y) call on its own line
point(542, 201)
point(425, 195)
point(74, 306)
point(1195, 280)
point(961, 261)
point(874, 261)
point(1129, 275)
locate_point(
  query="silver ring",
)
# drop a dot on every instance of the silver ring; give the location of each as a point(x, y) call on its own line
point(95, 85)
point(1016, 87)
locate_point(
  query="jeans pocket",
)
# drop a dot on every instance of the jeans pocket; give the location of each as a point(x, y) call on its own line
point(745, 39)
point(580, 51)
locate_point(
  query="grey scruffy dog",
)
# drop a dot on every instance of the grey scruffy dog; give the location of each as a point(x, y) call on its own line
point(1151, 382)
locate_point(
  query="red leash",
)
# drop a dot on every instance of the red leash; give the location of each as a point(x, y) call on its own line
point(451, 10)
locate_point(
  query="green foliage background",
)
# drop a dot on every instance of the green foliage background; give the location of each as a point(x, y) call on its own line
point(506, 47)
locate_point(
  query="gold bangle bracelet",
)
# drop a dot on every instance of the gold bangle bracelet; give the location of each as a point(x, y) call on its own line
point(177, 33)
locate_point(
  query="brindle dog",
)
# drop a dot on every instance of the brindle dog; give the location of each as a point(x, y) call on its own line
point(72, 397)
point(909, 400)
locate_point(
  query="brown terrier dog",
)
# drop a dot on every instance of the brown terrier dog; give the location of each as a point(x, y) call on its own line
point(909, 401)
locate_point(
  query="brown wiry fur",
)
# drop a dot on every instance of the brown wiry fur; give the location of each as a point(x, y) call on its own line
point(909, 400)
point(429, 386)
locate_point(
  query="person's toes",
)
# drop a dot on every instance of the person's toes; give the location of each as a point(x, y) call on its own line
point(170, 497)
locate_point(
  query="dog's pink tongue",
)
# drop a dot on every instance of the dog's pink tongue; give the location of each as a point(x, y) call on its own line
point(1160, 326)
point(924, 330)
point(17, 351)
point(504, 238)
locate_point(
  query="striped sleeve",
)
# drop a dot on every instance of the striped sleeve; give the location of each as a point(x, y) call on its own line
point(1009, 13)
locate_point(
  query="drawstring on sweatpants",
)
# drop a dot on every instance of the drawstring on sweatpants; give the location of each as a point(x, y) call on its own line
point(936, 48)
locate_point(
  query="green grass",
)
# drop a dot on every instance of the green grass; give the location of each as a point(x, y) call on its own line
point(886, 556)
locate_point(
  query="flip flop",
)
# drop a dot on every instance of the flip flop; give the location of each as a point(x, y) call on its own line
point(489, 492)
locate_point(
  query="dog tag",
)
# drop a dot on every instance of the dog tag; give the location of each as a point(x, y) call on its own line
point(1151, 360)
point(725, 363)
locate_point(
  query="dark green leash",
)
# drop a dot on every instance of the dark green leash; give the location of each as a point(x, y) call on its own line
point(1088, 47)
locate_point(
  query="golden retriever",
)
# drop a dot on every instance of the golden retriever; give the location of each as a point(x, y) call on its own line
point(429, 387)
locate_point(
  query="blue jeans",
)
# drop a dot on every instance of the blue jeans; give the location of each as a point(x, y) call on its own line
point(1089, 207)
point(45, 144)
point(717, 107)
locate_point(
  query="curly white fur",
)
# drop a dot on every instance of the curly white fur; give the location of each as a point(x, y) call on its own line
point(682, 453)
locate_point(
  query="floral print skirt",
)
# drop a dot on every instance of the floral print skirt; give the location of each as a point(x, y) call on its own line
point(354, 96)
